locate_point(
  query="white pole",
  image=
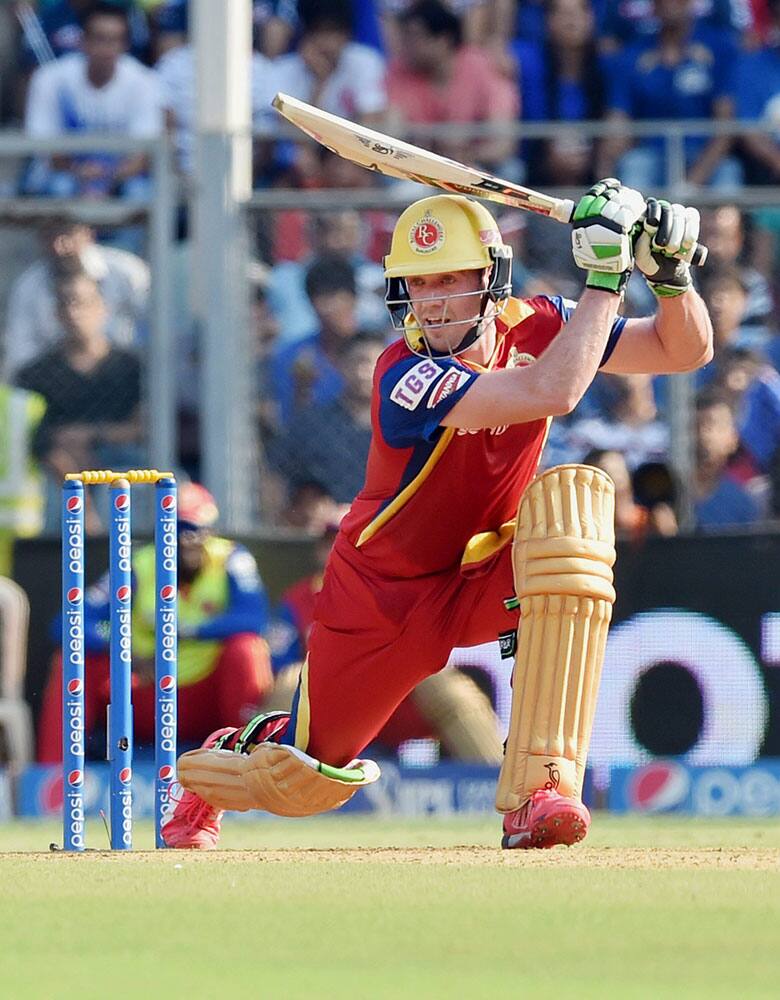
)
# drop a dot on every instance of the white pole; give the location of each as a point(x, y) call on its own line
point(223, 185)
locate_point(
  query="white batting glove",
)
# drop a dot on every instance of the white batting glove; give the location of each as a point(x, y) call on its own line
point(604, 226)
point(667, 230)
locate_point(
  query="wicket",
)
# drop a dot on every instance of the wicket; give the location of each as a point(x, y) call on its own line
point(120, 712)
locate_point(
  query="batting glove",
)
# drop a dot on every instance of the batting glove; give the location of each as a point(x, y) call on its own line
point(604, 227)
point(667, 230)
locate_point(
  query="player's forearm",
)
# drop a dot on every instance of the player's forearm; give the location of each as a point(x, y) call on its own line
point(682, 325)
point(554, 384)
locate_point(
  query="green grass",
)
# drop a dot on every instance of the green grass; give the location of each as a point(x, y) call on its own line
point(650, 908)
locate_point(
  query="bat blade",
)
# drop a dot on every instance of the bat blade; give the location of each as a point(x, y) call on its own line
point(400, 159)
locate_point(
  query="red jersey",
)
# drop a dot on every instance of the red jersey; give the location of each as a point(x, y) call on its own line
point(430, 491)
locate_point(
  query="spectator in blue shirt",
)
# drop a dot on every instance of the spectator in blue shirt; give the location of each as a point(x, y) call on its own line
point(683, 73)
point(621, 23)
point(719, 498)
point(307, 372)
point(758, 100)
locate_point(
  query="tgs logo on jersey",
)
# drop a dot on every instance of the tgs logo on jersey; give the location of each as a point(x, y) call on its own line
point(426, 235)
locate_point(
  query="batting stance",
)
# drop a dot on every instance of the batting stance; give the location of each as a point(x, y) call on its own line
point(452, 538)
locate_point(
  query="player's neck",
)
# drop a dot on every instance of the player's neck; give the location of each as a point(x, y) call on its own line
point(481, 352)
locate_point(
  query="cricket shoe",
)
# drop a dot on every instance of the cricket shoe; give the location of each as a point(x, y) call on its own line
point(195, 825)
point(545, 820)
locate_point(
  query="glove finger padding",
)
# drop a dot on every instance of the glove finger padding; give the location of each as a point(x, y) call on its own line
point(275, 778)
point(669, 235)
point(603, 229)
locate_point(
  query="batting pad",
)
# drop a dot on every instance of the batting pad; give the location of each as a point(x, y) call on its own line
point(277, 779)
point(562, 557)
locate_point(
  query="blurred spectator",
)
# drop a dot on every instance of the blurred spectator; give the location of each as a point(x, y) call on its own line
point(275, 23)
point(310, 508)
point(719, 498)
point(622, 23)
point(329, 69)
point(685, 72)
point(630, 424)
point(734, 371)
point(758, 100)
point(102, 90)
point(176, 76)
point(169, 24)
point(760, 420)
point(32, 324)
point(61, 23)
point(632, 520)
point(308, 372)
point(223, 662)
point(342, 233)
point(329, 443)
point(437, 79)
point(483, 20)
point(723, 232)
point(724, 291)
point(92, 390)
point(21, 493)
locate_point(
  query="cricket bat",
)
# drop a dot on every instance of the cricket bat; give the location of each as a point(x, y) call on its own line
point(396, 158)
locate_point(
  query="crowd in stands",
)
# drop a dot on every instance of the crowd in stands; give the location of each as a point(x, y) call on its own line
point(75, 320)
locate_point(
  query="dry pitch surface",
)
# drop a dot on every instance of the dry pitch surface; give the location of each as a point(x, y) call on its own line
point(343, 907)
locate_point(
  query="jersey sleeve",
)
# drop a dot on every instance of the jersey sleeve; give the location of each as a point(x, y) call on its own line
point(566, 308)
point(415, 395)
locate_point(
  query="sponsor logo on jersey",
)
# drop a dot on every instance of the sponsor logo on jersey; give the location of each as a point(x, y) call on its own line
point(447, 384)
point(426, 235)
point(410, 388)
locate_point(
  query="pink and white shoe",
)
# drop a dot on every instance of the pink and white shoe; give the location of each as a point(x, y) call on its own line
point(545, 820)
point(195, 825)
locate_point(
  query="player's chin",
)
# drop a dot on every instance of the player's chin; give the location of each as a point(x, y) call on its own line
point(444, 340)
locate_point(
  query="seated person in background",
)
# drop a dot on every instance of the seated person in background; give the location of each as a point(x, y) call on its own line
point(92, 391)
point(630, 424)
point(330, 70)
point(308, 372)
point(437, 79)
point(449, 706)
point(632, 520)
point(685, 72)
point(723, 233)
point(727, 297)
point(758, 100)
point(720, 499)
point(223, 613)
point(309, 508)
point(100, 89)
point(622, 23)
point(62, 23)
point(32, 324)
point(329, 443)
point(561, 78)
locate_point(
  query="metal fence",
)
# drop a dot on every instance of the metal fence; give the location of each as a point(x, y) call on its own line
point(165, 379)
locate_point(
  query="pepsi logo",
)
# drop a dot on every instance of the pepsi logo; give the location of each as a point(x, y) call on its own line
point(122, 501)
point(166, 773)
point(76, 778)
point(73, 504)
point(74, 595)
point(123, 594)
point(659, 787)
point(167, 682)
point(168, 593)
point(426, 235)
point(75, 685)
point(126, 775)
point(168, 503)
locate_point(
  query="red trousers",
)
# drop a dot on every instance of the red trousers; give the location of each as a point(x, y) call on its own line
point(240, 681)
point(375, 639)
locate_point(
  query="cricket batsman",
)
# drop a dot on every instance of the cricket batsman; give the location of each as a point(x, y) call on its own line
point(452, 541)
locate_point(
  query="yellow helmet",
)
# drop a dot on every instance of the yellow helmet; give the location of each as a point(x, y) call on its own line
point(446, 232)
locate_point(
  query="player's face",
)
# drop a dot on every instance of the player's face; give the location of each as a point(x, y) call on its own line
point(446, 305)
